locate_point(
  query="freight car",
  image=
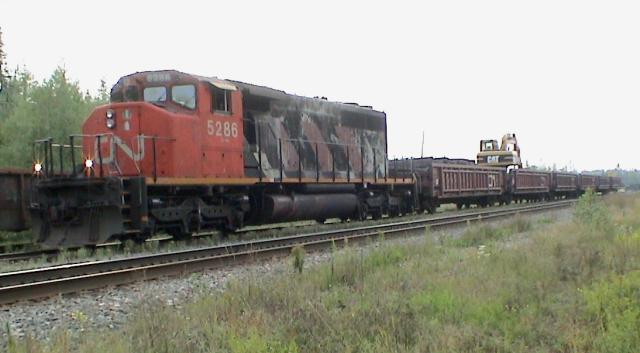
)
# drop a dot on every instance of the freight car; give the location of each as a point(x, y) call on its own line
point(15, 187)
point(616, 183)
point(458, 181)
point(464, 183)
point(529, 185)
point(606, 184)
point(603, 183)
point(586, 181)
point(182, 153)
point(564, 184)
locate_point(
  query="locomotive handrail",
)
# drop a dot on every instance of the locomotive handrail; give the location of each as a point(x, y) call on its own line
point(315, 143)
point(65, 146)
point(45, 161)
point(48, 145)
point(170, 139)
point(48, 151)
point(98, 138)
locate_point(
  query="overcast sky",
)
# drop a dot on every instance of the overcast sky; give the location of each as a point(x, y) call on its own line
point(563, 75)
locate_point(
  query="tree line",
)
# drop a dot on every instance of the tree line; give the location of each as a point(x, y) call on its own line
point(29, 109)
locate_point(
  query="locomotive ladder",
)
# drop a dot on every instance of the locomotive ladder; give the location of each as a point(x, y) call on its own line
point(125, 209)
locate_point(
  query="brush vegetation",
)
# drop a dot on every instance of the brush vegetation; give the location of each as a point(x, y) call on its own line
point(572, 286)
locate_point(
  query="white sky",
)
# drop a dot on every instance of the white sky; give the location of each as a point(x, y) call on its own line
point(563, 75)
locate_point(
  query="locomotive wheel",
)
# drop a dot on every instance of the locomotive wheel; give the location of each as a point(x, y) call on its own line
point(459, 205)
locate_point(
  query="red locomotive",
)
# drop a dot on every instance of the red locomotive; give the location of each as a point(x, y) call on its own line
point(182, 153)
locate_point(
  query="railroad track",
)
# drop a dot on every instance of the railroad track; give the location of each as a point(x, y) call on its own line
point(51, 254)
point(54, 280)
point(29, 255)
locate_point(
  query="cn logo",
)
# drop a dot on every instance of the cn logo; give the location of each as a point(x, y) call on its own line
point(115, 142)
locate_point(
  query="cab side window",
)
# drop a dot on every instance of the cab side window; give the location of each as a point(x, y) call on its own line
point(221, 101)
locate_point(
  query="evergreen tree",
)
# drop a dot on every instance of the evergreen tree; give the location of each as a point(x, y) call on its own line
point(103, 93)
point(30, 110)
point(55, 108)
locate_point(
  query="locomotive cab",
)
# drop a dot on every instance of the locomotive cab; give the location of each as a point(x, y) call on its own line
point(157, 122)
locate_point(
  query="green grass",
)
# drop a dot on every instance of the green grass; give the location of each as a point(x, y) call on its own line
point(571, 287)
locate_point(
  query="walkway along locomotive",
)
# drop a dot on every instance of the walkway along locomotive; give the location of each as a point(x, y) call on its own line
point(180, 153)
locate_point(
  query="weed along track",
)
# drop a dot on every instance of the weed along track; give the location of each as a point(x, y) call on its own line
point(50, 281)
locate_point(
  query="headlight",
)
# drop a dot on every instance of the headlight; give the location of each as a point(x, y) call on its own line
point(88, 163)
point(111, 119)
point(37, 167)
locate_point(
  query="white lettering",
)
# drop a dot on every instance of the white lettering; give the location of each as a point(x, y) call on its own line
point(218, 128)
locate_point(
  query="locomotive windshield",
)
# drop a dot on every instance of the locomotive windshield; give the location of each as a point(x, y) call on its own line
point(155, 94)
point(182, 95)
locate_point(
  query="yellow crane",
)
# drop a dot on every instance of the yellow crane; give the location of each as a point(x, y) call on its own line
point(504, 155)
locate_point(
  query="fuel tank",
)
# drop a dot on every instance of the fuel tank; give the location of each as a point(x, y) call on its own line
point(283, 208)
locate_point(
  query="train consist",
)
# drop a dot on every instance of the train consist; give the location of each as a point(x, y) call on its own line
point(180, 153)
point(464, 183)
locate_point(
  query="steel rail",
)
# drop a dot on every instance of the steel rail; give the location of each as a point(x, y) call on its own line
point(54, 280)
point(28, 255)
point(51, 254)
